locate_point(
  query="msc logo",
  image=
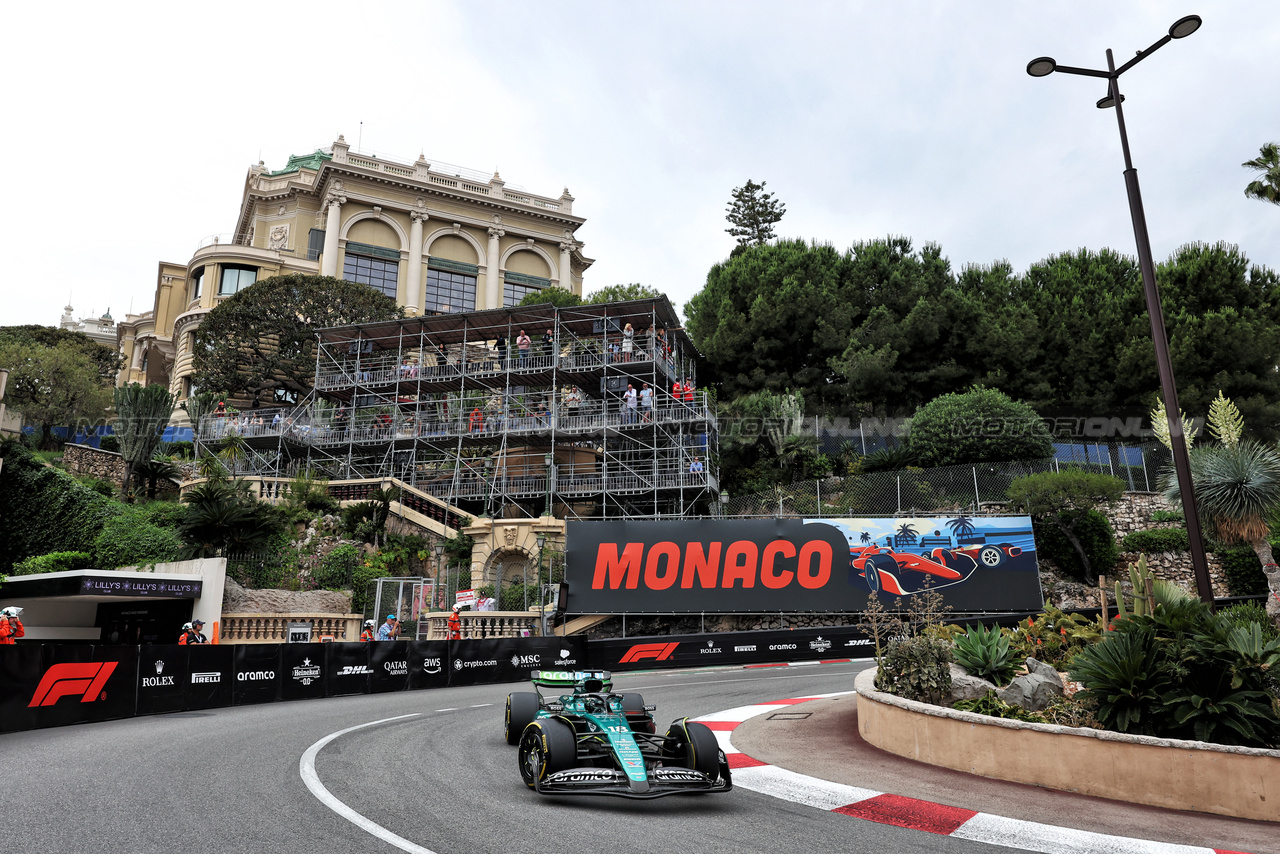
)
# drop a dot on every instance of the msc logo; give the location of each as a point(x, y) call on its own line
point(73, 680)
point(656, 651)
point(533, 660)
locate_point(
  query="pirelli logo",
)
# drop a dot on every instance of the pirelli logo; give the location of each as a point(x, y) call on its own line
point(84, 680)
point(656, 651)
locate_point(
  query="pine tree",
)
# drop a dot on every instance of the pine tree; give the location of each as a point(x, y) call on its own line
point(752, 213)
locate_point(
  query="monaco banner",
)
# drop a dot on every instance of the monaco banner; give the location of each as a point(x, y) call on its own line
point(792, 565)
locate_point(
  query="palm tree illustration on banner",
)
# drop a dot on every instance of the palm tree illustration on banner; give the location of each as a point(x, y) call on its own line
point(962, 527)
point(865, 538)
point(906, 534)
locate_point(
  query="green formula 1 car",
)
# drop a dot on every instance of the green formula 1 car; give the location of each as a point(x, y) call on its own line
point(592, 741)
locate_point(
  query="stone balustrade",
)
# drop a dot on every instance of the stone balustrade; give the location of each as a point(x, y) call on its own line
point(273, 628)
point(484, 624)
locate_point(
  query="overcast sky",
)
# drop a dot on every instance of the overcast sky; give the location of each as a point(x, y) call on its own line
point(129, 128)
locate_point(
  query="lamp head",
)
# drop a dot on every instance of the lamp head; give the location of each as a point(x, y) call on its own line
point(542, 540)
point(1107, 102)
point(1184, 27)
point(1042, 66)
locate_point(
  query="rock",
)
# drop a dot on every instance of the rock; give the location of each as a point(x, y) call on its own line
point(1042, 669)
point(243, 600)
point(1033, 691)
point(966, 687)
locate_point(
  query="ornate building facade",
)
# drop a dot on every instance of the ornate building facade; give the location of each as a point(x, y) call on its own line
point(438, 238)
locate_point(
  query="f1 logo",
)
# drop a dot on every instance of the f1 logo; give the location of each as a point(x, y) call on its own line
point(70, 680)
point(656, 651)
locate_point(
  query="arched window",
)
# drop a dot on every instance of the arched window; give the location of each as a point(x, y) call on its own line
point(372, 265)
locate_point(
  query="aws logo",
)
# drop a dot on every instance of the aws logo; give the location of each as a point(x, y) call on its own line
point(84, 680)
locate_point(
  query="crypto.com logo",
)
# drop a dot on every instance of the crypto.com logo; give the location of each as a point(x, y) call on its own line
point(70, 680)
point(656, 651)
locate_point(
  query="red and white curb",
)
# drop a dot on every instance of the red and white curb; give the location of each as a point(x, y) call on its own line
point(751, 773)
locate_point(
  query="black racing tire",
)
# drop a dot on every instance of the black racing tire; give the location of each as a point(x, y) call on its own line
point(883, 563)
point(522, 708)
point(693, 745)
point(547, 746)
point(991, 556)
point(871, 574)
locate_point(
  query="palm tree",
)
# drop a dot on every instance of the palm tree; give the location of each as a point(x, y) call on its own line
point(865, 538)
point(142, 413)
point(1237, 487)
point(961, 527)
point(906, 534)
point(161, 466)
point(1265, 188)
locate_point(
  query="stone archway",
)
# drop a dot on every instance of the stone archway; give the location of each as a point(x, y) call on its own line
point(506, 567)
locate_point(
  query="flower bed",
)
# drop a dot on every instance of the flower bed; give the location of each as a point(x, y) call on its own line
point(1241, 782)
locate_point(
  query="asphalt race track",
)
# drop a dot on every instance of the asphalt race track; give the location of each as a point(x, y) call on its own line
point(229, 780)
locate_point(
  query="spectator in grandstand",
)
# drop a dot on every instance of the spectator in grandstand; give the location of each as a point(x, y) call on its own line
point(523, 343)
point(695, 467)
point(10, 626)
point(628, 342)
point(630, 401)
point(646, 403)
point(548, 343)
point(501, 346)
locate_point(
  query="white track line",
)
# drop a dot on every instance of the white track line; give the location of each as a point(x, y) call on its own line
point(307, 768)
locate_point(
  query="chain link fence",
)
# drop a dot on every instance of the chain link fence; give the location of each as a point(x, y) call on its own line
point(946, 489)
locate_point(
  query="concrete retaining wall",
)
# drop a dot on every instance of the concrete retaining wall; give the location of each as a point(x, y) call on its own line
point(1184, 775)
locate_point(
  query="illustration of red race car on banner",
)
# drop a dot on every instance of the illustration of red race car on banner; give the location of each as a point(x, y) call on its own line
point(896, 556)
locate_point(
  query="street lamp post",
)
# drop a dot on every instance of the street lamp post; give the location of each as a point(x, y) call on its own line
point(440, 570)
point(1042, 67)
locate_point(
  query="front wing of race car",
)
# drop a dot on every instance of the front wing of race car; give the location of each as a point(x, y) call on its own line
point(661, 781)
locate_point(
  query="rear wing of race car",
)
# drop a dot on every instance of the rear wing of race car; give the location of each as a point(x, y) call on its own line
point(571, 678)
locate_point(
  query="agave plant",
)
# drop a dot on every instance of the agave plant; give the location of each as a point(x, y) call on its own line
point(985, 653)
point(1127, 677)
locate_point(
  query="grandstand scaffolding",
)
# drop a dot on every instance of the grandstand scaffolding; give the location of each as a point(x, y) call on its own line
point(466, 420)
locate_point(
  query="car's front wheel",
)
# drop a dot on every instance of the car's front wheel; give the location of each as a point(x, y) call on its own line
point(546, 747)
point(693, 745)
point(522, 708)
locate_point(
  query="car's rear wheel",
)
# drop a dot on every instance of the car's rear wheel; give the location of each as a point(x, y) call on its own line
point(693, 745)
point(546, 747)
point(522, 708)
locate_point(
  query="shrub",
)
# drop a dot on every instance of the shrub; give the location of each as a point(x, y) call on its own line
point(163, 514)
point(45, 510)
point(130, 540)
point(1245, 614)
point(362, 586)
point(337, 569)
point(1125, 675)
point(984, 653)
point(1166, 516)
point(1094, 533)
point(991, 704)
point(109, 443)
point(179, 450)
point(1243, 570)
point(980, 425)
point(53, 562)
point(1156, 540)
point(916, 668)
point(103, 487)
